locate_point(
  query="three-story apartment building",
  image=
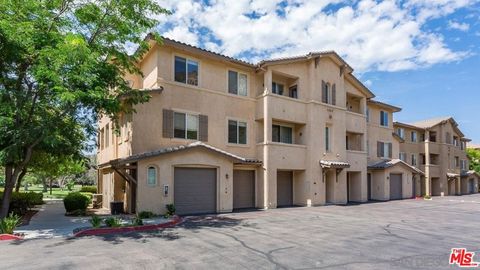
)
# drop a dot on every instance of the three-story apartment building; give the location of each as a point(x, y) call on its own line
point(220, 134)
point(438, 147)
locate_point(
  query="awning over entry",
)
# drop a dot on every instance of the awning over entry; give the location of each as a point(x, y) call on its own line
point(332, 164)
point(384, 164)
point(453, 175)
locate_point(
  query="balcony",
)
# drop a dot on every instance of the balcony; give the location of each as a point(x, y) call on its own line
point(354, 104)
point(285, 156)
point(282, 108)
point(356, 122)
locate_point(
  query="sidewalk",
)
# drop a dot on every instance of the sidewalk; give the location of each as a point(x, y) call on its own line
point(51, 222)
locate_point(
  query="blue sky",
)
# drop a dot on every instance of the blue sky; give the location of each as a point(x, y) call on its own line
point(421, 55)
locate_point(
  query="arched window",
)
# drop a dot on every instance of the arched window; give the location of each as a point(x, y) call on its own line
point(152, 176)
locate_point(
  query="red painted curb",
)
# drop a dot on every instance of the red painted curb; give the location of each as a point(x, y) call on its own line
point(99, 231)
point(10, 237)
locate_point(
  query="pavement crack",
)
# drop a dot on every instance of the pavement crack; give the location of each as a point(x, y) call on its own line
point(267, 255)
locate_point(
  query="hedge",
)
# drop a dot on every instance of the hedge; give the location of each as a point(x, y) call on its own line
point(76, 202)
point(20, 202)
point(90, 189)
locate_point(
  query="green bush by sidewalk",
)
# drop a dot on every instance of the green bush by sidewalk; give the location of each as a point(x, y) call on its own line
point(76, 202)
point(90, 189)
point(20, 202)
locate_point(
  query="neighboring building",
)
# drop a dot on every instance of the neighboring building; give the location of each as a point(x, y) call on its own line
point(439, 148)
point(389, 175)
point(220, 134)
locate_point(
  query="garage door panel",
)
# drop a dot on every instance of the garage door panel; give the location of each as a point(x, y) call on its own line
point(243, 189)
point(396, 187)
point(284, 188)
point(195, 191)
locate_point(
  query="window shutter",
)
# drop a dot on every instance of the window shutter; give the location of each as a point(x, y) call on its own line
point(167, 130)
point(390, 146)
point(203, 128)
point(334, 94)
point(324, 96)
point(379, 149)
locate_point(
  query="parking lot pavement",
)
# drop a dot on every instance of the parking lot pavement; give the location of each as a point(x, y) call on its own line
point(408, 234)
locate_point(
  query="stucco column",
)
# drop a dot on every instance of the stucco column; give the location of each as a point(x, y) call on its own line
point(428, 192)
point(458, 185)
point(267, 137)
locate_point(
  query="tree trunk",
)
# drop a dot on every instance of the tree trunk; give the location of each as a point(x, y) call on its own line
point(44, 182)
point(10, 176)
point(19, 181)
point(51, 183)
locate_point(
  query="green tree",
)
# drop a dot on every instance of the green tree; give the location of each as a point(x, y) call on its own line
point(474, 157)
point(62, 64)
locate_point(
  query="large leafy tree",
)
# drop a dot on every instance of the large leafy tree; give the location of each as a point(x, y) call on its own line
point(62, 64)
point(474, 157)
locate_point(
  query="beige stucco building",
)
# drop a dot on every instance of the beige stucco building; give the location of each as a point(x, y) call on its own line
point(438, 148)
point(220, 134)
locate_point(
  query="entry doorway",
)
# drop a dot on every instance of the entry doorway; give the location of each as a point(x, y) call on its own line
point(369, 186)
point(330, 179)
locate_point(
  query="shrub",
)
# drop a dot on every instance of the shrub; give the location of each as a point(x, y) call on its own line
point(8, 224)
point(89, 189)
point(20, 202)
point(137, 221)
point(146, 214)
point(170, 209)
point(113, 222)
point(76, 201)
point(96, 221)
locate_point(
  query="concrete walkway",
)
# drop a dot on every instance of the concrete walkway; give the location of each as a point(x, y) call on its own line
point(51, 222)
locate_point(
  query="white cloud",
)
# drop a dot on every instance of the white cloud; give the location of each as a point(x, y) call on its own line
point(372, 35)
point(458, 26)
point(368, 83)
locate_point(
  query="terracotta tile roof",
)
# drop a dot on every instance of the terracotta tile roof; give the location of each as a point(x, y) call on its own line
point(384, 164)
point(385, 105)
point(453, 175)
point(428, 123)
point(469, 173)
point(178, 148)
point(334, 164)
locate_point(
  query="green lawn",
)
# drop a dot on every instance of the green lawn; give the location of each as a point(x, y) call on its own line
point(57, 193)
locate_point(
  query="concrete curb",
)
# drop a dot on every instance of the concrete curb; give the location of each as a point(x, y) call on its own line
point(101, 231)
point(7, 237)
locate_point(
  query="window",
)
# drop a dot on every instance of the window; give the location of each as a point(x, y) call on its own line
point(464, 165)
point(384, 150)
point(277, 88)
point(107, 135)
point(186, 71)
point(457, 162)
point(402, 157)
point(282, 134)
point(327, 139)
point(329, 94)
point(292, 92)
point(102, 137)
point(462, 145)
point(414, 160)
point(413, 136)
point(326, 93)
point(151, 176)
point(383, 118)
point(237, 132)
point(401, 133)
point(237, 83)
point(455, 141)
point(185, 126)
point(448, 138)
point(368, 115)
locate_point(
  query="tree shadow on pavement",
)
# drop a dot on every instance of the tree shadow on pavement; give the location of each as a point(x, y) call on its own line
point(195, 223)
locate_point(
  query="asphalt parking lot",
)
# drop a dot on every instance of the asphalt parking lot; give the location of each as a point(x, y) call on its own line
point(408, 234)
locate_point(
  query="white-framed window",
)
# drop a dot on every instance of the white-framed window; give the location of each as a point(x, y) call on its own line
point(457, 162)
point(186, 70)
point(384, 149)
point(414, 160)
point(237, 83)
point(151, 176)
point(282, 134)
point(464, 165)
point(402, 156)
point(277, 88)
point(185, 126)
point(237, 132)
point(384, 118)
point(401, 133)
point(328, 147)
point(413, 136)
